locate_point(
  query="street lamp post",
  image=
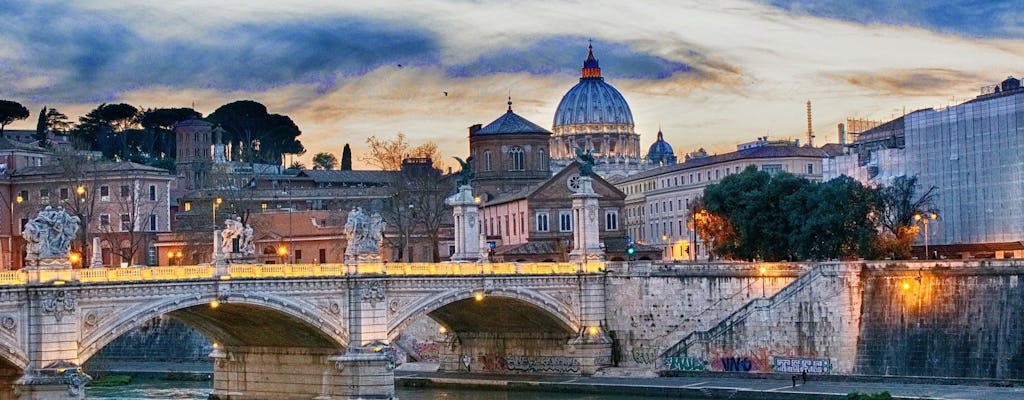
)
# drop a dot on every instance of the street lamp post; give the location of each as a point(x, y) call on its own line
point(925, 220)
point(216, 202)
point(282, 251)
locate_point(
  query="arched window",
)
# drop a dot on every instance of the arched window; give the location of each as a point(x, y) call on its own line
point(542, 159)
point(487, 160)
point(516, 159)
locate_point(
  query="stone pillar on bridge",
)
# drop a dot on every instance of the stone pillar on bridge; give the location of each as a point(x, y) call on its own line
point(53, 335)
point(586, 224)
point(592, 346)
point(97, 254)
point(466, 213)
point(368, 366)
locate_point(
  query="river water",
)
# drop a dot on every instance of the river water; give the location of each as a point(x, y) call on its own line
point(179, 390)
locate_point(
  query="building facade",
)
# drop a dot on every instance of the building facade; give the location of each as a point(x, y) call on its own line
point(657, 209)
point(123, 204)
point(972, 154)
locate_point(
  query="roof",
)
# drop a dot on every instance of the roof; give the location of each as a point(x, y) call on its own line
point(8, 144)
point(746, 154)
point(510, 123)
point(348, 176)
point(92, 167)
point(531, 248)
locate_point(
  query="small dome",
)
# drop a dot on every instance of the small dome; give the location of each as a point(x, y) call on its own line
point(593, 101)
point(661, 152)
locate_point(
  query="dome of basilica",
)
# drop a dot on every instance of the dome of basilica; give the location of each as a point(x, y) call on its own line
point(660, 152)
point(593, 102)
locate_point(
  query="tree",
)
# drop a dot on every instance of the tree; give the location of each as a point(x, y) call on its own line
point(256, 136)
point(346, 158)
point(91, 126)
point(389, 154)
point(159, 122)
point(50, 122)
point(42, 130)
point(898, 205)
point(757, 215)
point(325, 161)
point(297, 165)
point(11, 111)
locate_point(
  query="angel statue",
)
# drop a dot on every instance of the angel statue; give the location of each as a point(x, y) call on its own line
point(586, 161)
point(466, 171)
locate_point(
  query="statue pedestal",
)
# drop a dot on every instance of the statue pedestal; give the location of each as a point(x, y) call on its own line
point(586, 224)
point(60, 380)
point(465, 211)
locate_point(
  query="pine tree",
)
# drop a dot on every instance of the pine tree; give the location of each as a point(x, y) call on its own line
point(346, 158)
point(42, 129)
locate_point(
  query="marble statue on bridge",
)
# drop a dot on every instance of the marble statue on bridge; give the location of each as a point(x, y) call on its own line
point(233, 228)
point(364, 234)
point(49, 237)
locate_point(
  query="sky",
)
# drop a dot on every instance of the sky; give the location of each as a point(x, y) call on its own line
point(709, 74)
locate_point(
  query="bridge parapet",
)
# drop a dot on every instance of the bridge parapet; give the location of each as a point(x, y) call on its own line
point(258, 271)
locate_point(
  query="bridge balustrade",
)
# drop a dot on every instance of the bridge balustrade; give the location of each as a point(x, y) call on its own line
point(258, 271)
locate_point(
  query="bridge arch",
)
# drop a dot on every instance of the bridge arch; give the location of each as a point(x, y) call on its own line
point(553, 313)
point(239, 320)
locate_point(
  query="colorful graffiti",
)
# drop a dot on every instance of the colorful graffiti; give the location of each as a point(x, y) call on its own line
point(558, 365)
point(757, 360)
point(685, 363)
point(427, 351)
point(818, 366)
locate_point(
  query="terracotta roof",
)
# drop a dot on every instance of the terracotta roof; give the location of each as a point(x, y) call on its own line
point(8, 144)
point(91, 167)
point(349, 176)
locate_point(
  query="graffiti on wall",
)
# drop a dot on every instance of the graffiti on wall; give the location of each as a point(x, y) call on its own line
point(820, 366)
point(427, 351)
point(685, 363)
point(757, 360)
point(501, 363)
point(644, 356)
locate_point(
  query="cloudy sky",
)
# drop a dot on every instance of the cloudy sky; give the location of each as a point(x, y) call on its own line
point(709, 73)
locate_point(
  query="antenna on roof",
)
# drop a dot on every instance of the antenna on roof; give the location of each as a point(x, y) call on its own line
point(810, 130)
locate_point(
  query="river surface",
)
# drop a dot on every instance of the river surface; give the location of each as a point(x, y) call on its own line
point(179, 390)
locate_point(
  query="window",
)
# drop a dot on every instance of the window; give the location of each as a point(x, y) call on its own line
point(263, 206)
point(125, 190)
point(152, 222)
point(105, 193)
point(64, 193)
point(516, 159)
point(188, 206)
point(810, 168)
point(542, 222)
point(487, 160)
point(152, 192)
point(542, 159)
point(105, 221)
point(611, 220)
point(772, 168)
point(322, 255)
point(298, 255)
point(126, 222)
point(44, 194)
point(451, 250)
point(564, 221)
point(24, 195)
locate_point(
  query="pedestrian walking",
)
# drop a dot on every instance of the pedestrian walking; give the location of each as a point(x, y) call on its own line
point(804, 375)
point(794, 380)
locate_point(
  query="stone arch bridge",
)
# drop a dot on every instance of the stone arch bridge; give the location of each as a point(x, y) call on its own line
point(303, 331)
